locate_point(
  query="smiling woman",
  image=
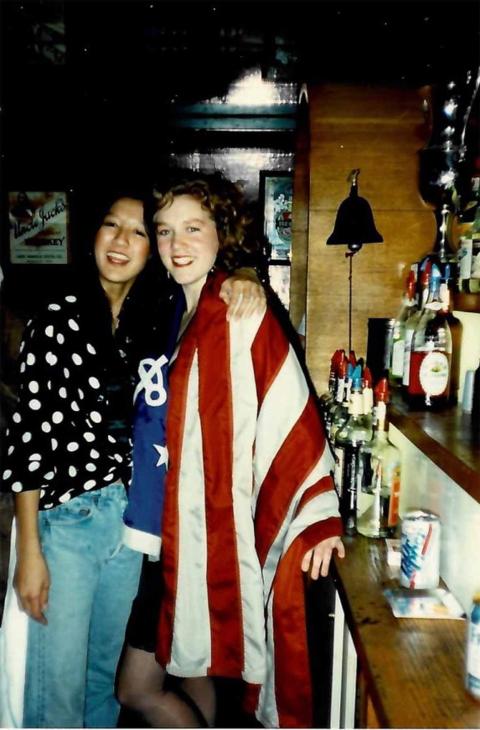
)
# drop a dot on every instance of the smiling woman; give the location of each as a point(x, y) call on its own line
point(67, 465)
point(188, 243)
point(247, 503)
point(121, 249)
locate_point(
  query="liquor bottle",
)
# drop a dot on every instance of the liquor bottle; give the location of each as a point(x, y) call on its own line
point(431, 351)
point(339, 414)
point(472, 678)
point(474, 281)
point(349, 443)
point(378, 497)
point(456, 331)
point(476, 406)
point(328, 397)
point(367, 395)
point(412, 323)
point(354, 399)
point(409, 306)
point(442, 252)
point(469, 248)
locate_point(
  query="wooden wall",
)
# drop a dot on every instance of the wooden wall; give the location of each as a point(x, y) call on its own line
point(380, 131)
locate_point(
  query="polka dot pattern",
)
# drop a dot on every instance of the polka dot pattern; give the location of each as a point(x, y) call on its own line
point(60, 442)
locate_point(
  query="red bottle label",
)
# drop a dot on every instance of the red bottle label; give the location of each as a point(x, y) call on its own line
point(429, 373)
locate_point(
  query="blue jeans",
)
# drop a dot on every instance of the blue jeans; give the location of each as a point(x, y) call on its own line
point(71, 662)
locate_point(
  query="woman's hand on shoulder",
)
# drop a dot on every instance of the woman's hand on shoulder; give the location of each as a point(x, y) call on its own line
point(320, 556)
point(243, 294)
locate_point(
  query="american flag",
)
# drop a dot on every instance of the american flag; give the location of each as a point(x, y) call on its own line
point(248, 492)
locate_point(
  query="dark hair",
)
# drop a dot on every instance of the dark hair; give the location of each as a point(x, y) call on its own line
point(225, 202)
point(88, 210)
point(89, 206)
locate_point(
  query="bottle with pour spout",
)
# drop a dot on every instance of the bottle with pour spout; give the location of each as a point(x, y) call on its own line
point(379, 494)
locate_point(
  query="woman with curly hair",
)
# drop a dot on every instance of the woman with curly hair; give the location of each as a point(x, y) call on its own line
point(249, 501)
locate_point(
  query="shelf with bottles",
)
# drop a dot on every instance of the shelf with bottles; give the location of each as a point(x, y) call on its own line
point(465, 302)
point(446, 438)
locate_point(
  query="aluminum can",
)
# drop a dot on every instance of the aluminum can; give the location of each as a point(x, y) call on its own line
point(420, 546)
point(473, 650)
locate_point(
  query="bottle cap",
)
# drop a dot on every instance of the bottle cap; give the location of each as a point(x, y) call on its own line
point(342, 367)
point(382, 391)
point(367, 377)
point(357, 378)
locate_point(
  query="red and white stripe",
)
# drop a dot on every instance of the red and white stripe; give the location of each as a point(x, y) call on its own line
point(248, 492)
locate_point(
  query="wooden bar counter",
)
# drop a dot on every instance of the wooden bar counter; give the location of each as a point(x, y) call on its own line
point(410, 670)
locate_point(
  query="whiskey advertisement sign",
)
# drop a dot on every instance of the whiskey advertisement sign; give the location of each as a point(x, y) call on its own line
point(38, 223)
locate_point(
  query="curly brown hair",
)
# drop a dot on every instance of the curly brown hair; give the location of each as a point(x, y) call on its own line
point(225, 202)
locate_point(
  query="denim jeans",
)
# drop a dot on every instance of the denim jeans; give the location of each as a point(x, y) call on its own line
point(72, 661)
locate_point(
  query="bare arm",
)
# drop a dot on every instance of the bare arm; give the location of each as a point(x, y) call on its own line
point(32, 579)
point(243, 294)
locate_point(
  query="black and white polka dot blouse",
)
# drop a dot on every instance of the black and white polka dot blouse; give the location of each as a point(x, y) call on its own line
point(60, 439)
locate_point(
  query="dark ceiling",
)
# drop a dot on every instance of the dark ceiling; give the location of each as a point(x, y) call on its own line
point(105, 101)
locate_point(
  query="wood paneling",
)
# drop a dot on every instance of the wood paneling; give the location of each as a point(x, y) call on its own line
point(380, 131)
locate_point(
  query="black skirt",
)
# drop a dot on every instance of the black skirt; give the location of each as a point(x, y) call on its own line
point(142, 625)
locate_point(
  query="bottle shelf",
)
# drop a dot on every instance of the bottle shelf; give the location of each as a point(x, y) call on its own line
point(463, 302)
point(446, 438)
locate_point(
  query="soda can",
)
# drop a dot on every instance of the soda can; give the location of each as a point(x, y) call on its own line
point(420, 548)
point(473, 650)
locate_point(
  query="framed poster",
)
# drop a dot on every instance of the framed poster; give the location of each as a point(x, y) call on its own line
point(38, 223)
point(276, 192)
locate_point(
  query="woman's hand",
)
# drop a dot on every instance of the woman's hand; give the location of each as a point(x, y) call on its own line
point(32, 583)
point(319, 557)
point(243, 294)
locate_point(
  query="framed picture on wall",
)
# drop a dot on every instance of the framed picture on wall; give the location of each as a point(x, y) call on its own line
point(276, 194)
point(38, 227)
